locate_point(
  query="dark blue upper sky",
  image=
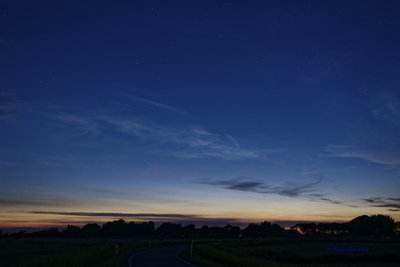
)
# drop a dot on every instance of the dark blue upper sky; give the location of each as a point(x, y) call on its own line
point(196, 103)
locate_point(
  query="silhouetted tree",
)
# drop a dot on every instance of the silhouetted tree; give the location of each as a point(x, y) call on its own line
point(265, 229)
point(397, 228)
point(189, 231)
point(52, 232)
point(141, 229)
point(360, 225)
point(382, 225)
point(203, 231)
point(227, 231)
point(91, 230)
point(375, 225)
point(145, 229)
point(271, 229)
point(169, 230)
point(252, 230)
point(18, 235)
point(115, 229)
point(72, 231)
point(290, 233)
point(231, 231)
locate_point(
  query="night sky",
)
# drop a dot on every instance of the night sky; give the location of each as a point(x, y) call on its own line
point(198, 111)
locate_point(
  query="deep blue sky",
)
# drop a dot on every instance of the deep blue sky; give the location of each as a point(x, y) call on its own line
point(287, 110)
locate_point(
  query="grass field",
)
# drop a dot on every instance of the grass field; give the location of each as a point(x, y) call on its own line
point(284, 253)
point(65, 252)
point(233, 253)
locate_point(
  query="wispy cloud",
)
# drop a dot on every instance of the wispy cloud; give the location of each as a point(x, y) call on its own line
point(391, 203)
point(378, 156)
point(86, 124)
point(39, 202)
point(189, 143)
point(293, 190)
point(20, 202)
point(157, 217)
point(181, 142)
point(158, 105)
point(118, 214)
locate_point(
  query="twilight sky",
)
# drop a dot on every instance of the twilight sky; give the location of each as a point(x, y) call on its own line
point(198, 111)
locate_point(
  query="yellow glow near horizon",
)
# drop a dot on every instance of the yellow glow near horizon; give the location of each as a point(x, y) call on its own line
point(240, 212)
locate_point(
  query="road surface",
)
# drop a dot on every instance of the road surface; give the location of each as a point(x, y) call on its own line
point(160, 257)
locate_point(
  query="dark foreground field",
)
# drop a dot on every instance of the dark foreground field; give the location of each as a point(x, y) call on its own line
point(284, 252)
point(232, 253)
point(65, 252)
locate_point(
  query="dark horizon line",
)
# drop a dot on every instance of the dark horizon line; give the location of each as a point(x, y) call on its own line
point(210, 222)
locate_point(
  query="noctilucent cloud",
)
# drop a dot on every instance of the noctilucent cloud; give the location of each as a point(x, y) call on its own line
point(198, 111)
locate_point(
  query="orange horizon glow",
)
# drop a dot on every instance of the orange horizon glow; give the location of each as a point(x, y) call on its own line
point(34, 221)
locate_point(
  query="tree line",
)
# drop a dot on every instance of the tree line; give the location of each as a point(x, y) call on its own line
point(371, 226)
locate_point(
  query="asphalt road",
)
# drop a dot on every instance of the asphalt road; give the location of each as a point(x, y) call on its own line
point(160, 257)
